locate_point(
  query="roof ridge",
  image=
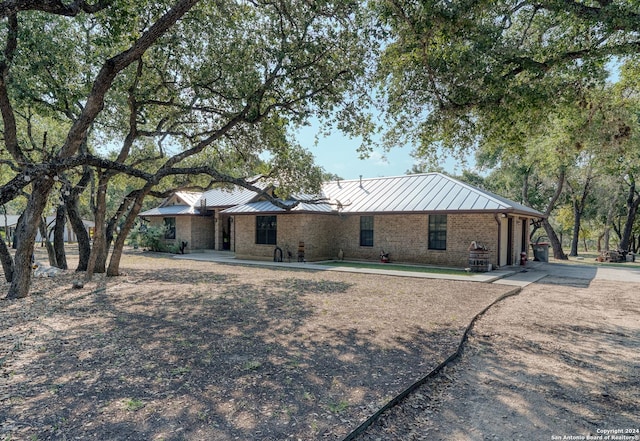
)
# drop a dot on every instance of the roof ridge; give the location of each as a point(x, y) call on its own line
point(380, 178)
point(486, 193)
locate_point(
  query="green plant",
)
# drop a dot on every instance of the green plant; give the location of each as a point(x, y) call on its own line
point(152, 238)
point(338, 407)
point(397, 267)
point(251, 365)
point(172, 248)
point(180, 371)
point(133, 404)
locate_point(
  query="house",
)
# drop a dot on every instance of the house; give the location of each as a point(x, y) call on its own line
point(424, 218)
point(8, 223)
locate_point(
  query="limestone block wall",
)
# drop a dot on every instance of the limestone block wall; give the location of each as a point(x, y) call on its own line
point(197, 231)
point(202, 233)
point(462, 229)
point(183, 230)
point(405, 238)
point(317, 231)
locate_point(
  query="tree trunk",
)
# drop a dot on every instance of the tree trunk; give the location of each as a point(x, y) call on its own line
point(58, 237)
point(607, 228)
point(7, 261)
point(101, 256)
point(579, 202)
point(575, 239)
point(116, 255)
point(556, 243)
point(98, 250)
point(26, 236)
point(44, 233)
point(14, 239)
point(71, 196)
point(84, 241)
point(633, 202)
point(599, 245)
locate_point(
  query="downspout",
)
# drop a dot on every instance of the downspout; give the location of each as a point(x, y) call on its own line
point(499, 253)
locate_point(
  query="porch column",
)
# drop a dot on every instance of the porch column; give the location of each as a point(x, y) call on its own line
point(217, 237)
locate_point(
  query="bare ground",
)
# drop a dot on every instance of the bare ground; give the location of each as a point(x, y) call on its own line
point(185, 350)
point(561, 361)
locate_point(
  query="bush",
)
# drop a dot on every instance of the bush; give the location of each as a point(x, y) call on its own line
point(152, 238)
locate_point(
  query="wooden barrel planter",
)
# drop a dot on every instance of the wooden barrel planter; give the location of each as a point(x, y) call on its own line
point(479, 261)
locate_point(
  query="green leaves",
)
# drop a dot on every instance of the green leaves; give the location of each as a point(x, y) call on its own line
point(465, 73)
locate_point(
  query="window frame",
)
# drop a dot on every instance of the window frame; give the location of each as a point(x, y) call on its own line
point(266, 230)
point(170, 227)
point(437, 232)
point(366, 234)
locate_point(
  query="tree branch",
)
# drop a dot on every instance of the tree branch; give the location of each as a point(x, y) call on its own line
point(111, 68)
point(56, 7)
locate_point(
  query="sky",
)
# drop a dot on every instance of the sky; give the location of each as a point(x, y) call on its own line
point(338, 154)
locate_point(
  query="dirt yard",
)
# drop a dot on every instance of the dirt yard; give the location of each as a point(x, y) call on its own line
point(559, 361)
point(185, 350)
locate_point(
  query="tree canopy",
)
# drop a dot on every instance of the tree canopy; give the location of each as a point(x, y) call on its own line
point(524, 85)
point(156, 90)
point(457, 74)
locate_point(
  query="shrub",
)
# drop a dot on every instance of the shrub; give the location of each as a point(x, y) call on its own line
point(152, 238)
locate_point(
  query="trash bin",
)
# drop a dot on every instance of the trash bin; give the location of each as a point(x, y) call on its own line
point(540, 251)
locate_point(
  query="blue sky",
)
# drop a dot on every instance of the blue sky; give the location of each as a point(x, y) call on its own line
point(338, 154)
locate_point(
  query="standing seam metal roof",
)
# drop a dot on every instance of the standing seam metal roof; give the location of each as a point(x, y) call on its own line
point(430, 192)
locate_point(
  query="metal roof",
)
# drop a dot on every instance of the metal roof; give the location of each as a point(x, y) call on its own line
point(191, 203)
point(268, 207)
point(171, 210)
point(189, 198)
point(430, 192)
point(225, 197)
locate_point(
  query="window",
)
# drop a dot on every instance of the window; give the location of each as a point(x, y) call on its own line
point(266, 230)
point(438, 232)
point(366, 231)
point(169, 227)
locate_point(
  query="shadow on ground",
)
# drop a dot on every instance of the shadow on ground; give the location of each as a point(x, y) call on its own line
point(204, 355)
point(548, 363)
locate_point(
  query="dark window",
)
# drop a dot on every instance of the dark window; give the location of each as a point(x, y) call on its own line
point(366, 231)
point(169, 227)
point(266, 230)
point(438, 232)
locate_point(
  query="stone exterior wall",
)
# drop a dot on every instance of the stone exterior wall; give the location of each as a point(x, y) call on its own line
point(317, 231)
point(403, 236)
point(202, 233)
point(183, 231)
point(197, 231)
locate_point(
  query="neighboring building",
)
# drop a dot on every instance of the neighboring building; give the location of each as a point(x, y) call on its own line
point(425, 218)
point(8, 224)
